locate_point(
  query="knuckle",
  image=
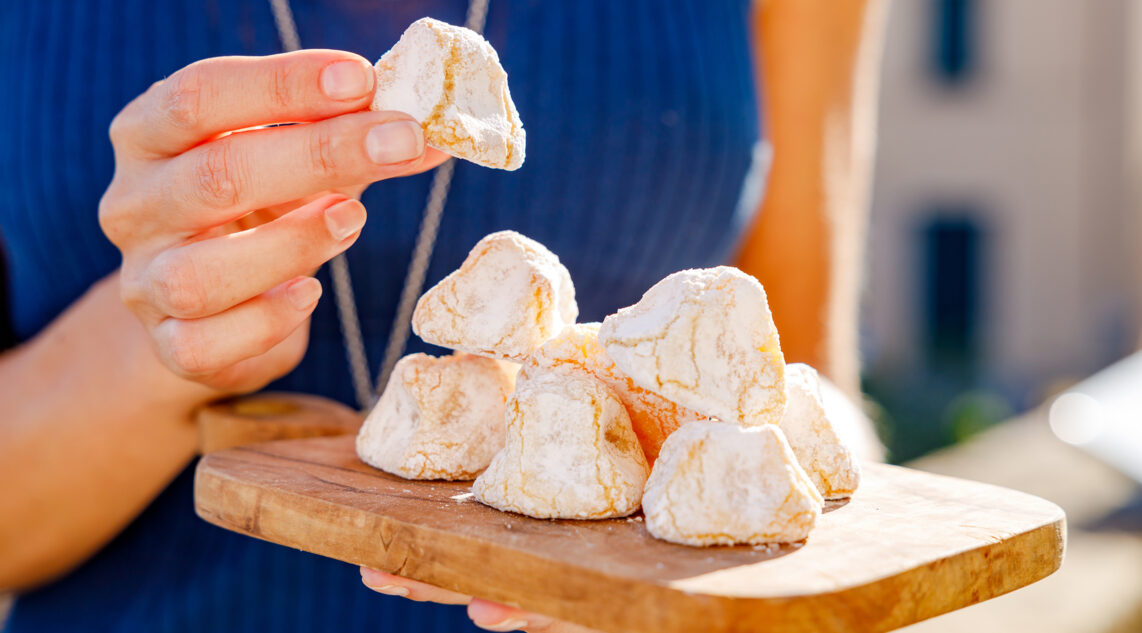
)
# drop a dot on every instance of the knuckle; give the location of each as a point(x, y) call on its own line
point(217, 175)
point(322, 152)
point(181, 101)
point(111, 213)
point(119, 129)
point(280, 86)
point(178, 289)
point(269, 337)
point(185, 353)
point(117, 212)
point(127, 122)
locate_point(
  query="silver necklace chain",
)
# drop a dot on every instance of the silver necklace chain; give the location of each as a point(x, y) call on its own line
point(367, 393)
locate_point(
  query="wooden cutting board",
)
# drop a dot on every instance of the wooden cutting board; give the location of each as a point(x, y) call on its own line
point(908, 546)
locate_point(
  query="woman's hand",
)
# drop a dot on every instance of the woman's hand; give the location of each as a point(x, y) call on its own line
point(221, 226)
point(490, 616)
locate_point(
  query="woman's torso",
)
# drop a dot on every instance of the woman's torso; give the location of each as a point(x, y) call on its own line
point(641, 128)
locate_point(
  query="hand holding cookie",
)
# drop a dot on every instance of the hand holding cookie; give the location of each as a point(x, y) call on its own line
point(221, 222)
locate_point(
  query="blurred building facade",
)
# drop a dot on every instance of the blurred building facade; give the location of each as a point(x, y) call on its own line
point(1003, 240)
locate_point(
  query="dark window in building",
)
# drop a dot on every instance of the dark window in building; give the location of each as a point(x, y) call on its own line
point(952, 252)
point(953, 41)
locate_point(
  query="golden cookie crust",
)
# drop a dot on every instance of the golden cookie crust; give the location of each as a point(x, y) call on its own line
point(449, 79)
point(570, 452)
point(723, 484)
point(819, 449)
point(439, 418)
point(509, 296)
point(577, 348)
point(703, 338)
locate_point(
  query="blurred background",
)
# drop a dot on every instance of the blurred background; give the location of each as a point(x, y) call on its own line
point(1002, 260)
point(1003, 269)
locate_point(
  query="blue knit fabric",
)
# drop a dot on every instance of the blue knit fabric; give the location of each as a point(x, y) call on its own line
point(641, 120)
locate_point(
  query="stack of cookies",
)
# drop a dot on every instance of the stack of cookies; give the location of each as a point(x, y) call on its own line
point(681, 404)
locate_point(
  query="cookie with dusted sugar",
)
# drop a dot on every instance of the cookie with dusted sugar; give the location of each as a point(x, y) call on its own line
point(570, 452)
point(817, 445)
point(705, 339)
point(438, 418)
point(509, 296)
point(450, 80)
point(577, 348)
point(723, 484)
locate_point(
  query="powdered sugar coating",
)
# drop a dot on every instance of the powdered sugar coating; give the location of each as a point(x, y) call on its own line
point(450, 80)
point(811, 435)
point(439, 418)
point(509, 296)
point(723, 484)
point(570, 452)
point(705, 339)
point(577, 348)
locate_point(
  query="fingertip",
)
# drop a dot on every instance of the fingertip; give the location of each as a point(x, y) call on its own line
point(493, 616)
point(395, 141)
point(373, 577)
point(303, 293)
point(348, 79)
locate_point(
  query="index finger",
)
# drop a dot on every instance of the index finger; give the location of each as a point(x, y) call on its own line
point(223, 94)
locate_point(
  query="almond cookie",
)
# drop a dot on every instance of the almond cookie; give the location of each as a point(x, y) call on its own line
point(705, 339)
point(570, 452)
point(509, 296)
point(439, 418)
point(450, 80)
point(577, 348)
point(811, 435)
point(722, 484)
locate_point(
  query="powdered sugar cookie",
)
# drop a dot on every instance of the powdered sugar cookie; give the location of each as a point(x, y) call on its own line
point(450, 80)
point(509, 296)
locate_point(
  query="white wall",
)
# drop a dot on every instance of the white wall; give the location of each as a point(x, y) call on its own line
point(1034, 139)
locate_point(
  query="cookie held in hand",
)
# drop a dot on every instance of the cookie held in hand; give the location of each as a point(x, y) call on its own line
point(450, 80)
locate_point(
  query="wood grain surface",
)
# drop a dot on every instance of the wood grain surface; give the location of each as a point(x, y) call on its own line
point(908, 546)
point(271, 416)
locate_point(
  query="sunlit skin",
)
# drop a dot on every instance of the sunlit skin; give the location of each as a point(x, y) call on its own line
point(141, 349)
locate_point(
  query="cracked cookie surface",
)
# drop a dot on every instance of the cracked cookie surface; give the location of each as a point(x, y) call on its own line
point(439, 418)
point(509, 296)
point(722, 484)
point(818, 447)
point(570, 452)
point(703, 338)
point(450, 80)
point(577, 348)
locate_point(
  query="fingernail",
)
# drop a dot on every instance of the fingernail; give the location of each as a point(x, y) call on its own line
point(303, 293)
point(391, 590)
point(506, 625)
point(350, 79)
point(344, 219)
point(394, 142)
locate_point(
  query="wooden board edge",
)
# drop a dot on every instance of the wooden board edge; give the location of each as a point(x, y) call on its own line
point(861, 607)
point(975, 571)
point(396, 553)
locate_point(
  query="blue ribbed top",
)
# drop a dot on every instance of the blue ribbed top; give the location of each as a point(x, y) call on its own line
point(641, 124)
